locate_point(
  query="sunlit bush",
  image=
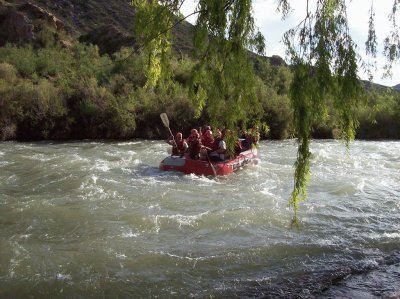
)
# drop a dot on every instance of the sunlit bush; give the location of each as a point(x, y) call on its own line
point(22, 58)
point(8, 73)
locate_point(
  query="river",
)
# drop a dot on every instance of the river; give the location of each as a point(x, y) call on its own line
point(100, 220)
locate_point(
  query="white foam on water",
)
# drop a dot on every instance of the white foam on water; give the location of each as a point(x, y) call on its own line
point(129, 143)
point(203, 179)
point(321, 155)
point(12, 179)
point(120, 256)
point(93, 191)
point(267, 191)
point(130, 234)
point(78, 158)
point(392, 235)
point(20, 254)
point(126, 170)
point(135, 161)
point(40, 157)
point(357, 164)
point(119, 159)
point(101, 165)
point(188, 258)
point(181, 220)
point(94, 179)
point(5, 163)
point(360, 186)
point(330, 241)
point(156, 206)
point(62, 276)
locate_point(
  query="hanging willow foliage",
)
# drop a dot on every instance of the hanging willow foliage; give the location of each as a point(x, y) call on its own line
point(320, 49)
point(223, 80)
point(325, 70)
point(153, 24)
point(392, 41)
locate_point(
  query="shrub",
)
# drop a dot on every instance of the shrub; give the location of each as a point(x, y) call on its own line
point(53, 62)
point(379, 118)
point(45, 36)
point(86, 63)
point(8, 73)
point(120, 118)
point(41, 104)
point(23, 59)
point(9, 111)
point(129, 65)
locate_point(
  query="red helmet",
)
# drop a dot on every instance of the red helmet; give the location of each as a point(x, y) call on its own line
point(193, 131)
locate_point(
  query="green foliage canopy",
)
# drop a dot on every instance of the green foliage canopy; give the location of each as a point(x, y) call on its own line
point(224, 33)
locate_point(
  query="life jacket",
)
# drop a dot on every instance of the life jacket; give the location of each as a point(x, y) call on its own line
point(189, 139)
point(208, 142)
point(194, 149)
point(215, 145)
point(179, 148)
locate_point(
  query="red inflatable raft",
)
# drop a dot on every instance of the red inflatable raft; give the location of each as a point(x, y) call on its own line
point(200, 167)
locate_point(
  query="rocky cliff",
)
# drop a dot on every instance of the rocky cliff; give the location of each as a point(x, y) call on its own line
point(19, 22)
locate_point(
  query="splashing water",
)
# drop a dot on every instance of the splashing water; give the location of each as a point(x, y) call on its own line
point(99, 219)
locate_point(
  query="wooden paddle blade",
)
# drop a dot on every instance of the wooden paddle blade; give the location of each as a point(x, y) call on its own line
point(165, 119)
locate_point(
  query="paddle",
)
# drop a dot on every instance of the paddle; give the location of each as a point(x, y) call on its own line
point(165, 121)
point(212, 166)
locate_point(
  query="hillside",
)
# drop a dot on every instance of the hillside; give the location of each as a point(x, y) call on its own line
point(81, 17)
point(107, 24)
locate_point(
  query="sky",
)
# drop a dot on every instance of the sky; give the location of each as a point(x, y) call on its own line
point(272, 27)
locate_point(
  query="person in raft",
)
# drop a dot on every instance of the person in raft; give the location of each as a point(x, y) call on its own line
point(207, 139)
point(195, 146)
point(219, 148)
point(179, 145)
point(190, 137)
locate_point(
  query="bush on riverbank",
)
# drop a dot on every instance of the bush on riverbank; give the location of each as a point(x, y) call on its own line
point(380, 117)
point(76, 93)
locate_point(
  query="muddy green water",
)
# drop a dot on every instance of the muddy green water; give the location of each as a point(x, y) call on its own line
point(100, 220)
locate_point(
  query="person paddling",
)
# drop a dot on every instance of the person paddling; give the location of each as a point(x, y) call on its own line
point(207, 139)
point(179, 145)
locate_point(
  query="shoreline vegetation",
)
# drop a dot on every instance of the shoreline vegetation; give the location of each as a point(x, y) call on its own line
point(58, 93)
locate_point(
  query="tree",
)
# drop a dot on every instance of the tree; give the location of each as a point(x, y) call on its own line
point(321, 52)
